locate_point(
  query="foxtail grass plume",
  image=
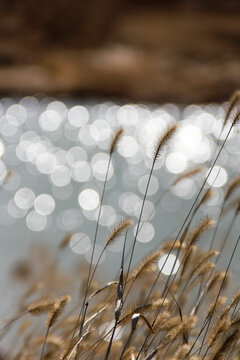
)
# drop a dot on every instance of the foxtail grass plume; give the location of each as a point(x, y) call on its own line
point(145, 265)
point(235, 98)
point(41, 306)
point(232, 186)
point(188, 174)
point(118, 230)
point(208, 195)
point(163, 140)
point(117, 136)
point(204, 225)
point(236, 118)
point(186, 317)
point(57, 310)
point(65, 241)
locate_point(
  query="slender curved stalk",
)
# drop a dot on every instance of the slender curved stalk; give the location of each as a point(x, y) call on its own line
point(83, 309)
point(178, 235)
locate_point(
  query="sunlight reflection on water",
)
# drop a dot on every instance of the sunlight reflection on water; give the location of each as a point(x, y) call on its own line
point(54, 158)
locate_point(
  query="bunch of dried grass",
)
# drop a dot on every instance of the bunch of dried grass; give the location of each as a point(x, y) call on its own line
point(139, 314)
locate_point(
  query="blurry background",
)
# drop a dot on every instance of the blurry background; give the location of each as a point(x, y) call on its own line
point(56, 59)
point(143, 50)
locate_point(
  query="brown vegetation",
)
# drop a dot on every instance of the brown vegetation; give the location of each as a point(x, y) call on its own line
point(142, 314)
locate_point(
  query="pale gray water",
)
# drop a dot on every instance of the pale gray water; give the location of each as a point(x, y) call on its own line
point(56, 153)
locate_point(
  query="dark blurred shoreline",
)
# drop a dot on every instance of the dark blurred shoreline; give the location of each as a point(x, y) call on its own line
point(121, 50)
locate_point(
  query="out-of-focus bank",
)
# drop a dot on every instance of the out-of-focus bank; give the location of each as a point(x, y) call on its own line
point(136, 50)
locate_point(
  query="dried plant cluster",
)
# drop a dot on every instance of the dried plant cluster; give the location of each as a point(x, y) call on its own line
point(140, 314)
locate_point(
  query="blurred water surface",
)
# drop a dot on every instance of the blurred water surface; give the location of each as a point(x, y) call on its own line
point(53, 160)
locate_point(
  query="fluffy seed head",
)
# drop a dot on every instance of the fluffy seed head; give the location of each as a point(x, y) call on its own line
point(204, 225)
point(118, 230)
point(57, 310)
point(118, 134)
point(65, 241)
point(187, 174)
point(232, 103)
point(163, 140)
point(233, 185)
point(41, 306)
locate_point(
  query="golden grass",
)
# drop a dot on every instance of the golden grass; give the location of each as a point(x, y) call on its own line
point(140, 314)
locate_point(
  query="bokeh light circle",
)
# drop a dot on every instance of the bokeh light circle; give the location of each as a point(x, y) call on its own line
point(166, 264)
point(78, 116)
point(218, 177)
point(81, 171)
point(24, 198)
point(61, 176)
point(35, 221)
point(80, 243)
point(44, 204)
point(50, 120)
point(145, 233)
point(128, 146)
point(88, 199)
point(176, 162)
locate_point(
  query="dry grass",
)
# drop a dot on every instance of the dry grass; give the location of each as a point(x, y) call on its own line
point(140, 314)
